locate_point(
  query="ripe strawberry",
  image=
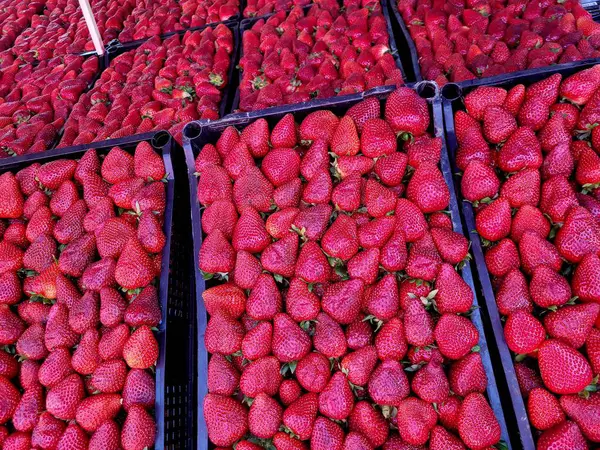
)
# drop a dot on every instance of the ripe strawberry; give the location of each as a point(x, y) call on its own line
point(342, 300)
point(280, 256)
point(289, 391)
point(346, 195)
point(341, 239)
point(543, 409)
point(529, 218)
point(549, 288)
point(326, 435)
point(138, 429)
point(329, 337)
point(300, 416)
point(31, 343)
point(430, 383)
point(70, 225)
point(288, 195)
point(498, 124)
point(357, 441)
point(252, 189)
point(58, 333)
point(566, 433)
point(493, 222)
point(223, 334)
point(406, 112)
point(259, 376)
point(290, 342)
point(281, 166)
point(107, 436)
point(112, 307)
point(284, 133)
point(572, 324)
point(479, 99)
point(584, 280)
point(358, 365)
point(318, 125)
point(139, 389)
point(11, 397)
point(141, 349)
point(93, 411)
point(390, 341)
point(575, 374)
point(55, 368)
point(377, 138)
point(29, 409)
point(109, 376)
point(312, 265)
point(147, 163)
point(47, 432)
point(264, 417)
point(336, 400)
point(264, 300)
point(502, 258)
point(73, 438)
point(313, 372)
point(388, 383)
point(370, 423)
point(479, 181)
point(455, 336)
point(522, 150)
point(468, 375)
point(345, 139)
point(52, 174)
point(454, 294)
point(536, 251)
point(383, 301)
point(416, 419)
point(427, 189)
point(315, 159)
point(214, 185)
point(523, 332)
point(118, 165)
point(86, 357)
point(522, 188)
point(12, 206)
point(423, 259)
point(579, 235)
point(256, 137)
point(63, 399)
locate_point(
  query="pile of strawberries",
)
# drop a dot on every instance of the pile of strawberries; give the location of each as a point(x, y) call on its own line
point(161, 85)
point(156, 17)
point(531, 165)
point(63, 30)
point(463, 40)
point(343, 318)
point(15, 17)
point(80, 248)
point(36, 99)
point(291, 58)
point(257, 8)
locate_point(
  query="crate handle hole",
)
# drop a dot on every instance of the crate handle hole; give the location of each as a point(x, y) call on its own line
point(451, 91)
point(161, 139)
point(192, 130)
point(427, 90)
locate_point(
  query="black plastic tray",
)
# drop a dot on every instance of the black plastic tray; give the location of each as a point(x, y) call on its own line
point(452, 95)
point(406, 39)
point(117, 48)
point(174, 405)
point(246, 24)
point(196, 134)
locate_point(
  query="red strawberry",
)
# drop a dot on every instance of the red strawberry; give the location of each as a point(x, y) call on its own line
point(345, 140)
point(377, 138)
point(342, 300)
point(256, 136)
point(523, 332)
point(329, 337)
point(502, 258)
point(318, 125)
point(455, 336)
point(55, 367)
point(147, 163)
point(280, 256)
point(583, 411)
point(313, 372)
point(493, 222)
point(341, 239)
point(543, 409)
point(284, 132)
point(454, 294)
point(10, 398)
point(141, 349)
point(468, 375)
point(300, 416)
point(252, 189)
point(223, 334)
point(548, 288)
point(477, 425)
point(479, 99)
point(579, 235)
point(336, 400)
point(259, 376)
point(521, 150)
point(388, 383)
point(139, 388)
point(118, 165)
point(63, 399)
point(138, 429)
point(522, 188)
point(416, 419)
point(289, 391)
point(575, 374)
point(94, 411)
point(281, 166)
point(312, 265)
point(390, 342)
point(358, 365)
point(566, 434)
point(73, 438)
point(86, 357)
point(479, 182)
point(572, 324)
point(290, 342)
point(58, 333)
point(406, 112)
point(107, 436)
point(370, 423)
point(423, 259)
point(12, 206)
point(427, 189)
point(264, 417)
point(584, 281)
point(430, 383)
point(29, 409)
point(529, 218)
point(326, 435)
point(536, 251)
point(498, 124)
point(47, 432)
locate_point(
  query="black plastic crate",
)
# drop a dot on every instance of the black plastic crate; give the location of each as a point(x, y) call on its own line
point(452, 98)
point(174, 405)
point(246, 24)
point(197, 134)
point(406, 40)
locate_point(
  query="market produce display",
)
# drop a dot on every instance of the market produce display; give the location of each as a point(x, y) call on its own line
point(160, 85)
point(532, 169)
point(320, 53)
point(339, 316)
point(80, 249)
point(61, 29)
point(15, 17)
point(36, 99)
point(156, 17)
point(458, 41)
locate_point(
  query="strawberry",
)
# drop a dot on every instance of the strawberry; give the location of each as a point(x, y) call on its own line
point(523, 332)
point(477, 425)
point(388, 383)
point(313, 372)
point(407, 113)
point(138, 429)
point(346, 195)
point(430, 383)
point(214, 185)
point(383, 301)
point(529, 218)
point(290, 342)
point(521, 150)
point(220, 215)
point(289, 391)
point(479, 181)
point(256, 136)
point(455, 336)
point(502, 258)
point(336, 400)
point(73, 438)
point(280, 256)
point(11, 397)
point(583, 282)
point(536, 251)
point(498, 124)
point(281, 166)
point(479, 99)
point(326, 435)
point(252, 189)
point(86, 357)
point(493, 222)
point(578, 236)
point(572, 324)
point(423, 259)
point(318, 125)
point(31, 343)
point(47, 432)
point(558, 161)
point(141, 349)
point(288, 195)
point(63, 399)
point(226, 298)
point(264, 417)
point(341, 239)
point(284, 133)
point(468, 375)
point(93, 411)
point(583, 412)
point(118, 165)
point(329, 337)
point(370, 423)
point(58, 333)
point(55, 367)
point(358, 365)
point(70, 226)
point(312, 265)
point(139, 389)
point(259, 377)
point(264, 300)
point(522, 188)
point(300, 416)
point(54, 173)
point(427, 189)
point(315, 159)
point(391, 169)
point(64, 197)
point(543, 409)
point(29, 409)
point(342, 300)
point(377, 138)
point(566, 433)
point(576, 373)
point(11, 257)
point(109, 376)
point(416, 419)
point(454, 294)
point(107, 436)
point(223, 377)
point(393, 255)
point(356, 440)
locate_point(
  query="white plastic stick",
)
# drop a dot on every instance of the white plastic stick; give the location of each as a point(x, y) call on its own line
point(92, 27)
